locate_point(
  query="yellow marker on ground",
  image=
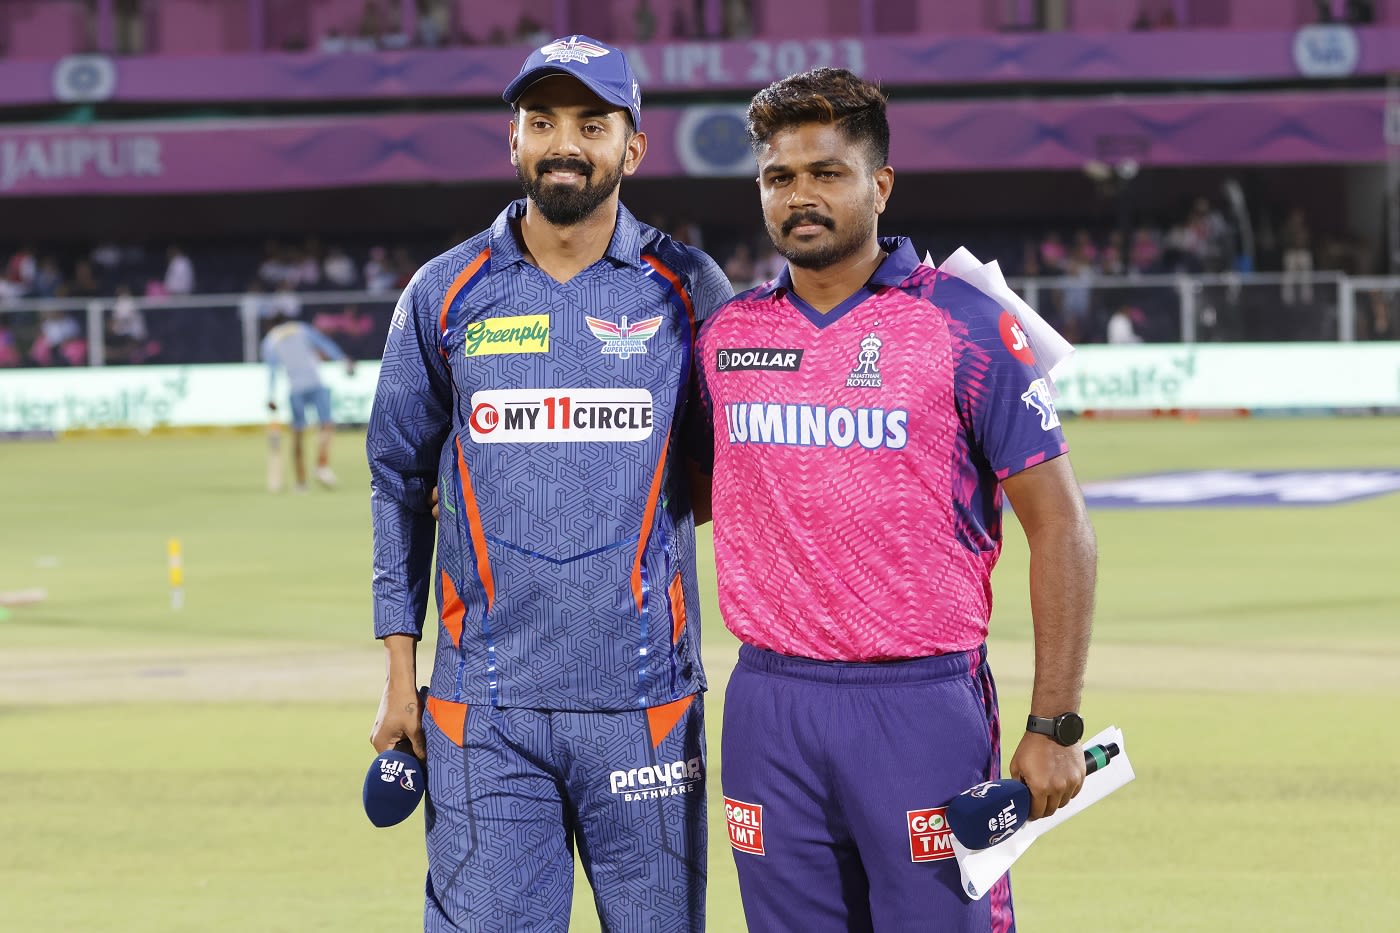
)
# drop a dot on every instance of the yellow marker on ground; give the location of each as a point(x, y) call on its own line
point(175, 566)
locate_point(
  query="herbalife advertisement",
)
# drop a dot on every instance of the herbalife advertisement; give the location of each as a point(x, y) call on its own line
point(1206, 376)
point(1099, 378)
point(146, 397)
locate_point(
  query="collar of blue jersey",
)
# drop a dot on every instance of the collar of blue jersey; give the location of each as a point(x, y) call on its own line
point(902, 259)
point(625, 247)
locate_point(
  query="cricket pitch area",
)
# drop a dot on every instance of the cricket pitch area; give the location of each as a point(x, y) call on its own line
point(199, 769)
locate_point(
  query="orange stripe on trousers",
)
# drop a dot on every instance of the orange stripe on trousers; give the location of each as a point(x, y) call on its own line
point(662, 719)
point(450, 717)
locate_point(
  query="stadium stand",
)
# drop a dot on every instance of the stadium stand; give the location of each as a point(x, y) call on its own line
point(311, 153)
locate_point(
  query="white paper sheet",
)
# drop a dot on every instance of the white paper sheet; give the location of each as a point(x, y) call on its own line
point(982, 868)
point(1051, 350)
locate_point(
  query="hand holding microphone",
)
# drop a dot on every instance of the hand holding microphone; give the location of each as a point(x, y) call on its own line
point(992, 811)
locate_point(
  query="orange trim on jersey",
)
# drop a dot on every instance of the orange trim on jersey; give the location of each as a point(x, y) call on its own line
point(450, 717)
point(662, 719)
point(652, 497)
point(453, 612)
point(675, 281)
point(483, 563)
point(457, 284)
point(677, 594)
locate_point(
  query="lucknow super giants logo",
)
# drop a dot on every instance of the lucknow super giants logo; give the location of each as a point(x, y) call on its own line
point(866, 375)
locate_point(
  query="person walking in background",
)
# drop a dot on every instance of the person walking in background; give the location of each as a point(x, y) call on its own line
point(859, 468)
point(298, 348)
point(539, 375)
point(1297, 258)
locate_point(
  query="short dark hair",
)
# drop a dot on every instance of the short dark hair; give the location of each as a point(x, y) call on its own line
point(825, 95)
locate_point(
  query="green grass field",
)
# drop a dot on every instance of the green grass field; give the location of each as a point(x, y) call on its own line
point(200, 770)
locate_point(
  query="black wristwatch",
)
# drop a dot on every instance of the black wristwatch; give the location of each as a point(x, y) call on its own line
point(1066, 728)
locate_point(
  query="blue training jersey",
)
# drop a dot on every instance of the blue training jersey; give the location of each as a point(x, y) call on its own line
point(298, 348)
point(555, 420)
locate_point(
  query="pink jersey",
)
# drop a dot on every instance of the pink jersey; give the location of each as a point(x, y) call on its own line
point(857, 459)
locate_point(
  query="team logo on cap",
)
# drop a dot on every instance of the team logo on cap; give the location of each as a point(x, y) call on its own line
point(866, 375)
point(624, 340)
point(571, 50)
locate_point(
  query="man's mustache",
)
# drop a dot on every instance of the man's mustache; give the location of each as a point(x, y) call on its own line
point(797, 220)
point(563, 165)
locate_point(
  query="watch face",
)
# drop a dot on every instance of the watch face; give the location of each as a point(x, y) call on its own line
point(1069, 728)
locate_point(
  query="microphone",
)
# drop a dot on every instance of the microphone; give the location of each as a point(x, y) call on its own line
point(992, 811)
point(393, 787)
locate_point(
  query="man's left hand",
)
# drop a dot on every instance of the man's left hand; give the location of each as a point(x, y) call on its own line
point(1052, 772)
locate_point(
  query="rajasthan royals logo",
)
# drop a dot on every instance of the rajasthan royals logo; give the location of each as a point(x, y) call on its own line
point(1037, 396)
point(624, 340)
point(866, 375)
point(572, 50)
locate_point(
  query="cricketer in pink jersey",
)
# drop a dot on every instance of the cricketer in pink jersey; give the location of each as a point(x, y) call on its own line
point(868, 413)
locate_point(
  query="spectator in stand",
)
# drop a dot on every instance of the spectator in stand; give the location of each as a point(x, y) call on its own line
point(1054, 258)
point(1297, 258)
point(1207, 237)
point(179, 273)
point(739, 268)
point(1077, 300)
point(738, 19)
point(769, 265)
point(1084, 249)
point(434, 23)
point(275, 269)
point(404, 267)
point(60, 340)
point(371, 31)
point(338, 269)
point(1111, 259)
point(308, 268)
point(1146, 253)
point(107, 254)
point(83, 284)
point(643, 22)
point(48, 281)
point(1121, 329)
point(379, 277)
point(127, 339)
point(20, 272)
point(333, 42)
point(285, 302)
point(529, 32)
point(9, 347)
point(256, 303)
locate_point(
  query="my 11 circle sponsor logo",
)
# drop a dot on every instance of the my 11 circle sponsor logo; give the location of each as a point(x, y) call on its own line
point(515, 416)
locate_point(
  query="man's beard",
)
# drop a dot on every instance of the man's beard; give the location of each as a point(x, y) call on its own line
point(566, 205)
point(827, 253)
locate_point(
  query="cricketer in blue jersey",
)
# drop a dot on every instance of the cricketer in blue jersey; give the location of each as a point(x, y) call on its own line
point(298, 349)
point(540, 374)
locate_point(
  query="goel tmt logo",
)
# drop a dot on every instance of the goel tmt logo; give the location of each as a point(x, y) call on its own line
point(930, 839)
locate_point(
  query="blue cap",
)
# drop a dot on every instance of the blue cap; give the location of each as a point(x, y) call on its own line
point(602, 68)
point(393, 787)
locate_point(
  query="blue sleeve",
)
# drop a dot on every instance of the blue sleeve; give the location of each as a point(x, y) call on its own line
point(325, 345)
point(408, 425)
point(1002, 392)
point(710, 288)
point(269, 353)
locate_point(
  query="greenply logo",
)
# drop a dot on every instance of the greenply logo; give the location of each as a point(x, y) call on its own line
point(522, 333)
point(142, 406)
point(1149, 385)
